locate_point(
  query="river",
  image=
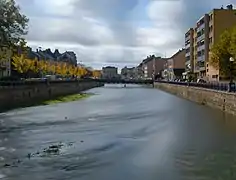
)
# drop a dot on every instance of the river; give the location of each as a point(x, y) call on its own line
point(132, 133)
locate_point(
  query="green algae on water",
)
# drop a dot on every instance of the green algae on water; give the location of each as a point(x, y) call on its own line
point(69, 98)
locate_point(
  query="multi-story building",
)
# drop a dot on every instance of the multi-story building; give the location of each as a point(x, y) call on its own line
point(5, 62)
point(139, 71)
point(109, 72)
point(189, 56)
point(175, 66)
point(128, 73)
point(207, 32)
point(201, 48)
point(152, 66)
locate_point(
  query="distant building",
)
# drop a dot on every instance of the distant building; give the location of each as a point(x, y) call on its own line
point(175, 66)
point(128, 73)
point(139, 71)
point(109, 72)
point(189, 56)
point(152, 66)
point(5, 62)
point(67, 57)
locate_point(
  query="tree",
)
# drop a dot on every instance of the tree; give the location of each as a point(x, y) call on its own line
point(96, 74)
point(13, 24)
point(21, 64)
point(222, 51)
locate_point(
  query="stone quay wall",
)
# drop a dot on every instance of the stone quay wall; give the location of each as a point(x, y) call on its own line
point(224, 101)
point(30, 94)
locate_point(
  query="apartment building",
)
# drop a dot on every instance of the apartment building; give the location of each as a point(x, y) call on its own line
point(189, 56)
point(175, 66)
point(5, 62)
point(109, 72)
point(152, 66)
point(207, 32)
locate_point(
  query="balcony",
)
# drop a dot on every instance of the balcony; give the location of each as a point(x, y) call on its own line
point(187, 38)
point(187, 46)
point(202, 26)
point(200, 48)
point(201, 58)
point(201, 37)
point(187, 54)
point(187, 62)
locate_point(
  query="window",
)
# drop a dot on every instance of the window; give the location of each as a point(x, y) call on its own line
point(202, 31)
point(207, 70)
point(210, 40)
point(211, 17)
point(202, 42)
point(210, 28)
point(203, 52)
point(214, 76)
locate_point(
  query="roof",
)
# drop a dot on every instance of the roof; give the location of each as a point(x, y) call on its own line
point(181, 50)
point(110, 67)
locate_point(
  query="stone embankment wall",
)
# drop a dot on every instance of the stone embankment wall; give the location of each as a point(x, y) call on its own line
point(217, 99)
point(26, 95)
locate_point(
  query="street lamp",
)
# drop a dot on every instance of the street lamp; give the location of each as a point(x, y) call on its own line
point(231, 59)
point(231, 83)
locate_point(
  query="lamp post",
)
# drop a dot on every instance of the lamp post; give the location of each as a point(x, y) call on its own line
point(231, 83)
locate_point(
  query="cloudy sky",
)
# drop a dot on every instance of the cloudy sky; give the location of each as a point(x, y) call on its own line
point(113, 32)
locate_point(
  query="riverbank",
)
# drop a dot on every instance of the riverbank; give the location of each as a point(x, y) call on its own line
point(60, 99)
point(69, 98)
point(223, 100)
point(35, 94)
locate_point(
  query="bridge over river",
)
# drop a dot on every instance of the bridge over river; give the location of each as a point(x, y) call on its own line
point(125, 81)
point(132, 133)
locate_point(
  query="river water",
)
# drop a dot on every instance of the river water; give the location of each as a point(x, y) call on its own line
point(132, 133)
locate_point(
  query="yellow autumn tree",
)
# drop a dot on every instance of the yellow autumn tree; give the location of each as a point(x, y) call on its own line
point(19, 63)
point(51, 67)
point(28, 65)
point(58, 68)
point(64, 69)
point(71, 70)
point(96, 74)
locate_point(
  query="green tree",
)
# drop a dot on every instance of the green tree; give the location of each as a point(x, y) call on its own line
point(232, 48)
point(13, 24)
point(223, 50)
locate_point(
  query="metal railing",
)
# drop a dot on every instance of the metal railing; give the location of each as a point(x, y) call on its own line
point(212, 85)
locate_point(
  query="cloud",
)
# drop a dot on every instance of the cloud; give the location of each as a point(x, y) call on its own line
point(113, 32)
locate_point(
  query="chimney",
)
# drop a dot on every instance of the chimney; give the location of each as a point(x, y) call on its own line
point(37, 50)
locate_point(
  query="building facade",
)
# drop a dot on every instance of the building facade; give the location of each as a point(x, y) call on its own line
point(5, 62)
point(189, 56)
point(110, 72)
point(207, 32)
point(152, 66)
point(128, 73)
point(175, 66)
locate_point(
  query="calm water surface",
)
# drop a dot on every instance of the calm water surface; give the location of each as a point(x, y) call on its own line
point(131, 133)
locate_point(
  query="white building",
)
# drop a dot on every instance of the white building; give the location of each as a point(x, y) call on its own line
point(110, 72)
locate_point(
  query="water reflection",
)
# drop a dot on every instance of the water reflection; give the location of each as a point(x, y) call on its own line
point(119, 133)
